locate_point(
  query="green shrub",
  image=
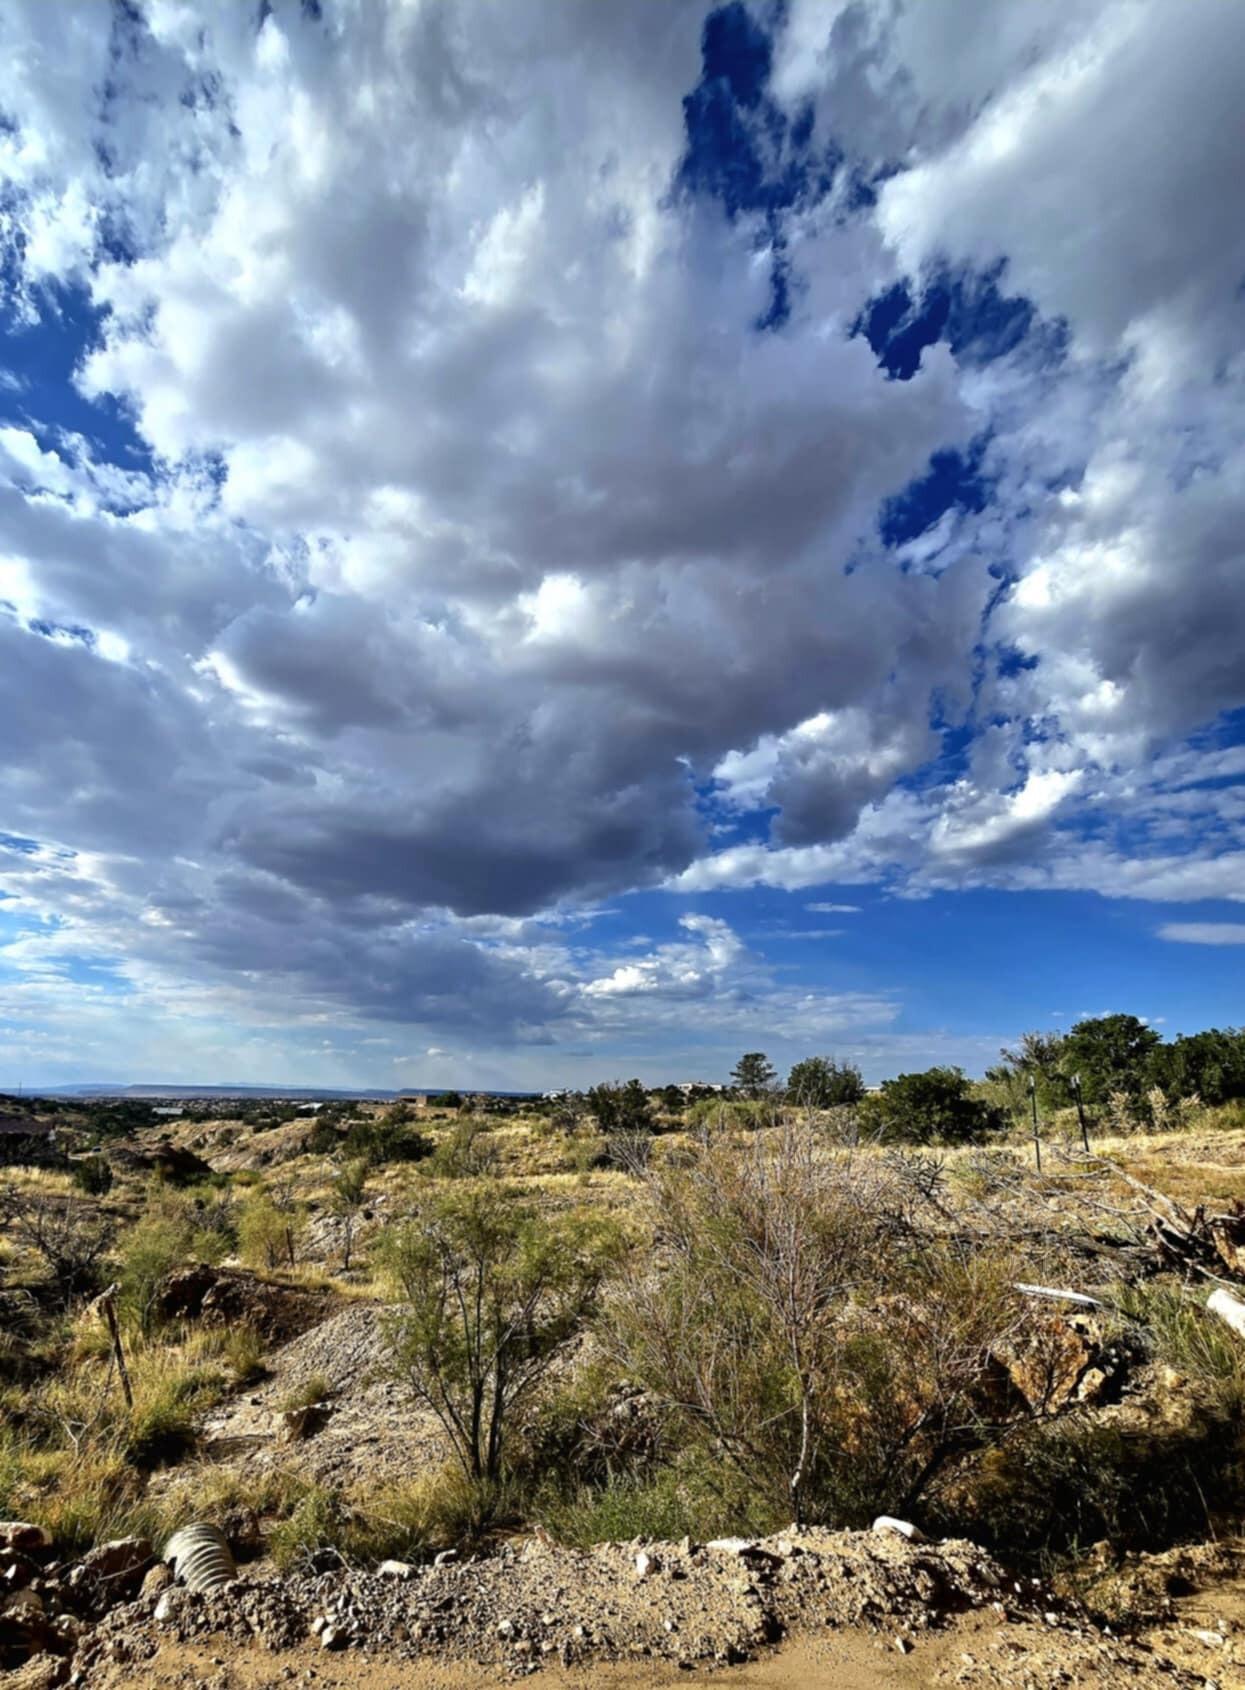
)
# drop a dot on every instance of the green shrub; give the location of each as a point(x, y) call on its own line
point(838, 1375)
point(167, 1237)
point(821, 1083)
point(492, 1294)
point(390, 1138)
point(694, 1499)
point(938, 1106)
point(269, 1230)
point(92, 1175)
point(621, 1108)
point(744, 1114)
point(467, 1153)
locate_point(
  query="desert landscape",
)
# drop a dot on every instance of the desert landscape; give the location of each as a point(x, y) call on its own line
point(622, 844)
point(470, 1385)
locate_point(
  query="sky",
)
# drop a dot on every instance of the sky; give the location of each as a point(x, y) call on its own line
point(553, 541)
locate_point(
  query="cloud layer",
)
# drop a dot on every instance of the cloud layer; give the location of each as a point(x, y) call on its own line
point(513, 457)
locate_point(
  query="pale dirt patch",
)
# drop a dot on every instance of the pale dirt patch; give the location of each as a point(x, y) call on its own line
point(373, 1431)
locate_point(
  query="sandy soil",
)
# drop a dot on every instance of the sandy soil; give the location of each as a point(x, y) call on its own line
point(977, 1651)
point(845, 1661)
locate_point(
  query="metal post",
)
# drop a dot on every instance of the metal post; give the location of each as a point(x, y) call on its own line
point(108, 1308)
point(1080, 1111)
point(1037, 1142)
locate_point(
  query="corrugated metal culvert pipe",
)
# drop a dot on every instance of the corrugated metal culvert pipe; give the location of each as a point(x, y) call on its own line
point(200, 1557)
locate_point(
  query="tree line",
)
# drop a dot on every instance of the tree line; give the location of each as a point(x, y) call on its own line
point(1109, 1060)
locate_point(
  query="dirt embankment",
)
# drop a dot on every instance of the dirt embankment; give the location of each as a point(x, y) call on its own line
point(856, 1609)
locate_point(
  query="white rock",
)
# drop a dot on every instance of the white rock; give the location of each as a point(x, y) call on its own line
point(646, 1564)
point(166, 1608)
point(1210, 1639)
point(733, 1545)
point(901, 1528)
point(445, 1558)
point(397, 1569)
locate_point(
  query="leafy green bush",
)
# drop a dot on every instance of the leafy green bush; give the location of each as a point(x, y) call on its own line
point(468, 1152)
point(938, 1106)
point(92, 1175)
point(1209, 1065)
point(821, 1083)
point(621, 1108)
point(269, 1228)
point(389, 1138)
point(493, 1293)
point(169, 1234)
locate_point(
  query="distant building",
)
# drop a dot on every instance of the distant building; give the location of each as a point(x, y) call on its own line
point(417, 1099)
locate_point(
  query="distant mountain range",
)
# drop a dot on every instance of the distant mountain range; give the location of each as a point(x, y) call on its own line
point(311, 1094)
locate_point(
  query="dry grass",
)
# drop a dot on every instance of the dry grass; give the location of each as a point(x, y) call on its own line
point(72, 1456)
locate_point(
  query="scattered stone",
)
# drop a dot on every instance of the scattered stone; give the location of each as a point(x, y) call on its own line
point(156, 1579)
point(517, 1611)
point(397, 1569)
point(169, 1607)
point(300, 1423)
point(900, 1528)
point(23, 1535)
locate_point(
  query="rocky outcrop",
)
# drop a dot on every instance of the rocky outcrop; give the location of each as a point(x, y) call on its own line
point(1067, 1359)
point(171, 1161)
point(233, 1297)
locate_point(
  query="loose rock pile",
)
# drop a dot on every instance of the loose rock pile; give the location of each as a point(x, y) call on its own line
point(48, 1605)
point(681, 1603)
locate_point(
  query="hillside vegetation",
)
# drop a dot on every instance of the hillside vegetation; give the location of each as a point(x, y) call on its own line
point(389, 1331)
